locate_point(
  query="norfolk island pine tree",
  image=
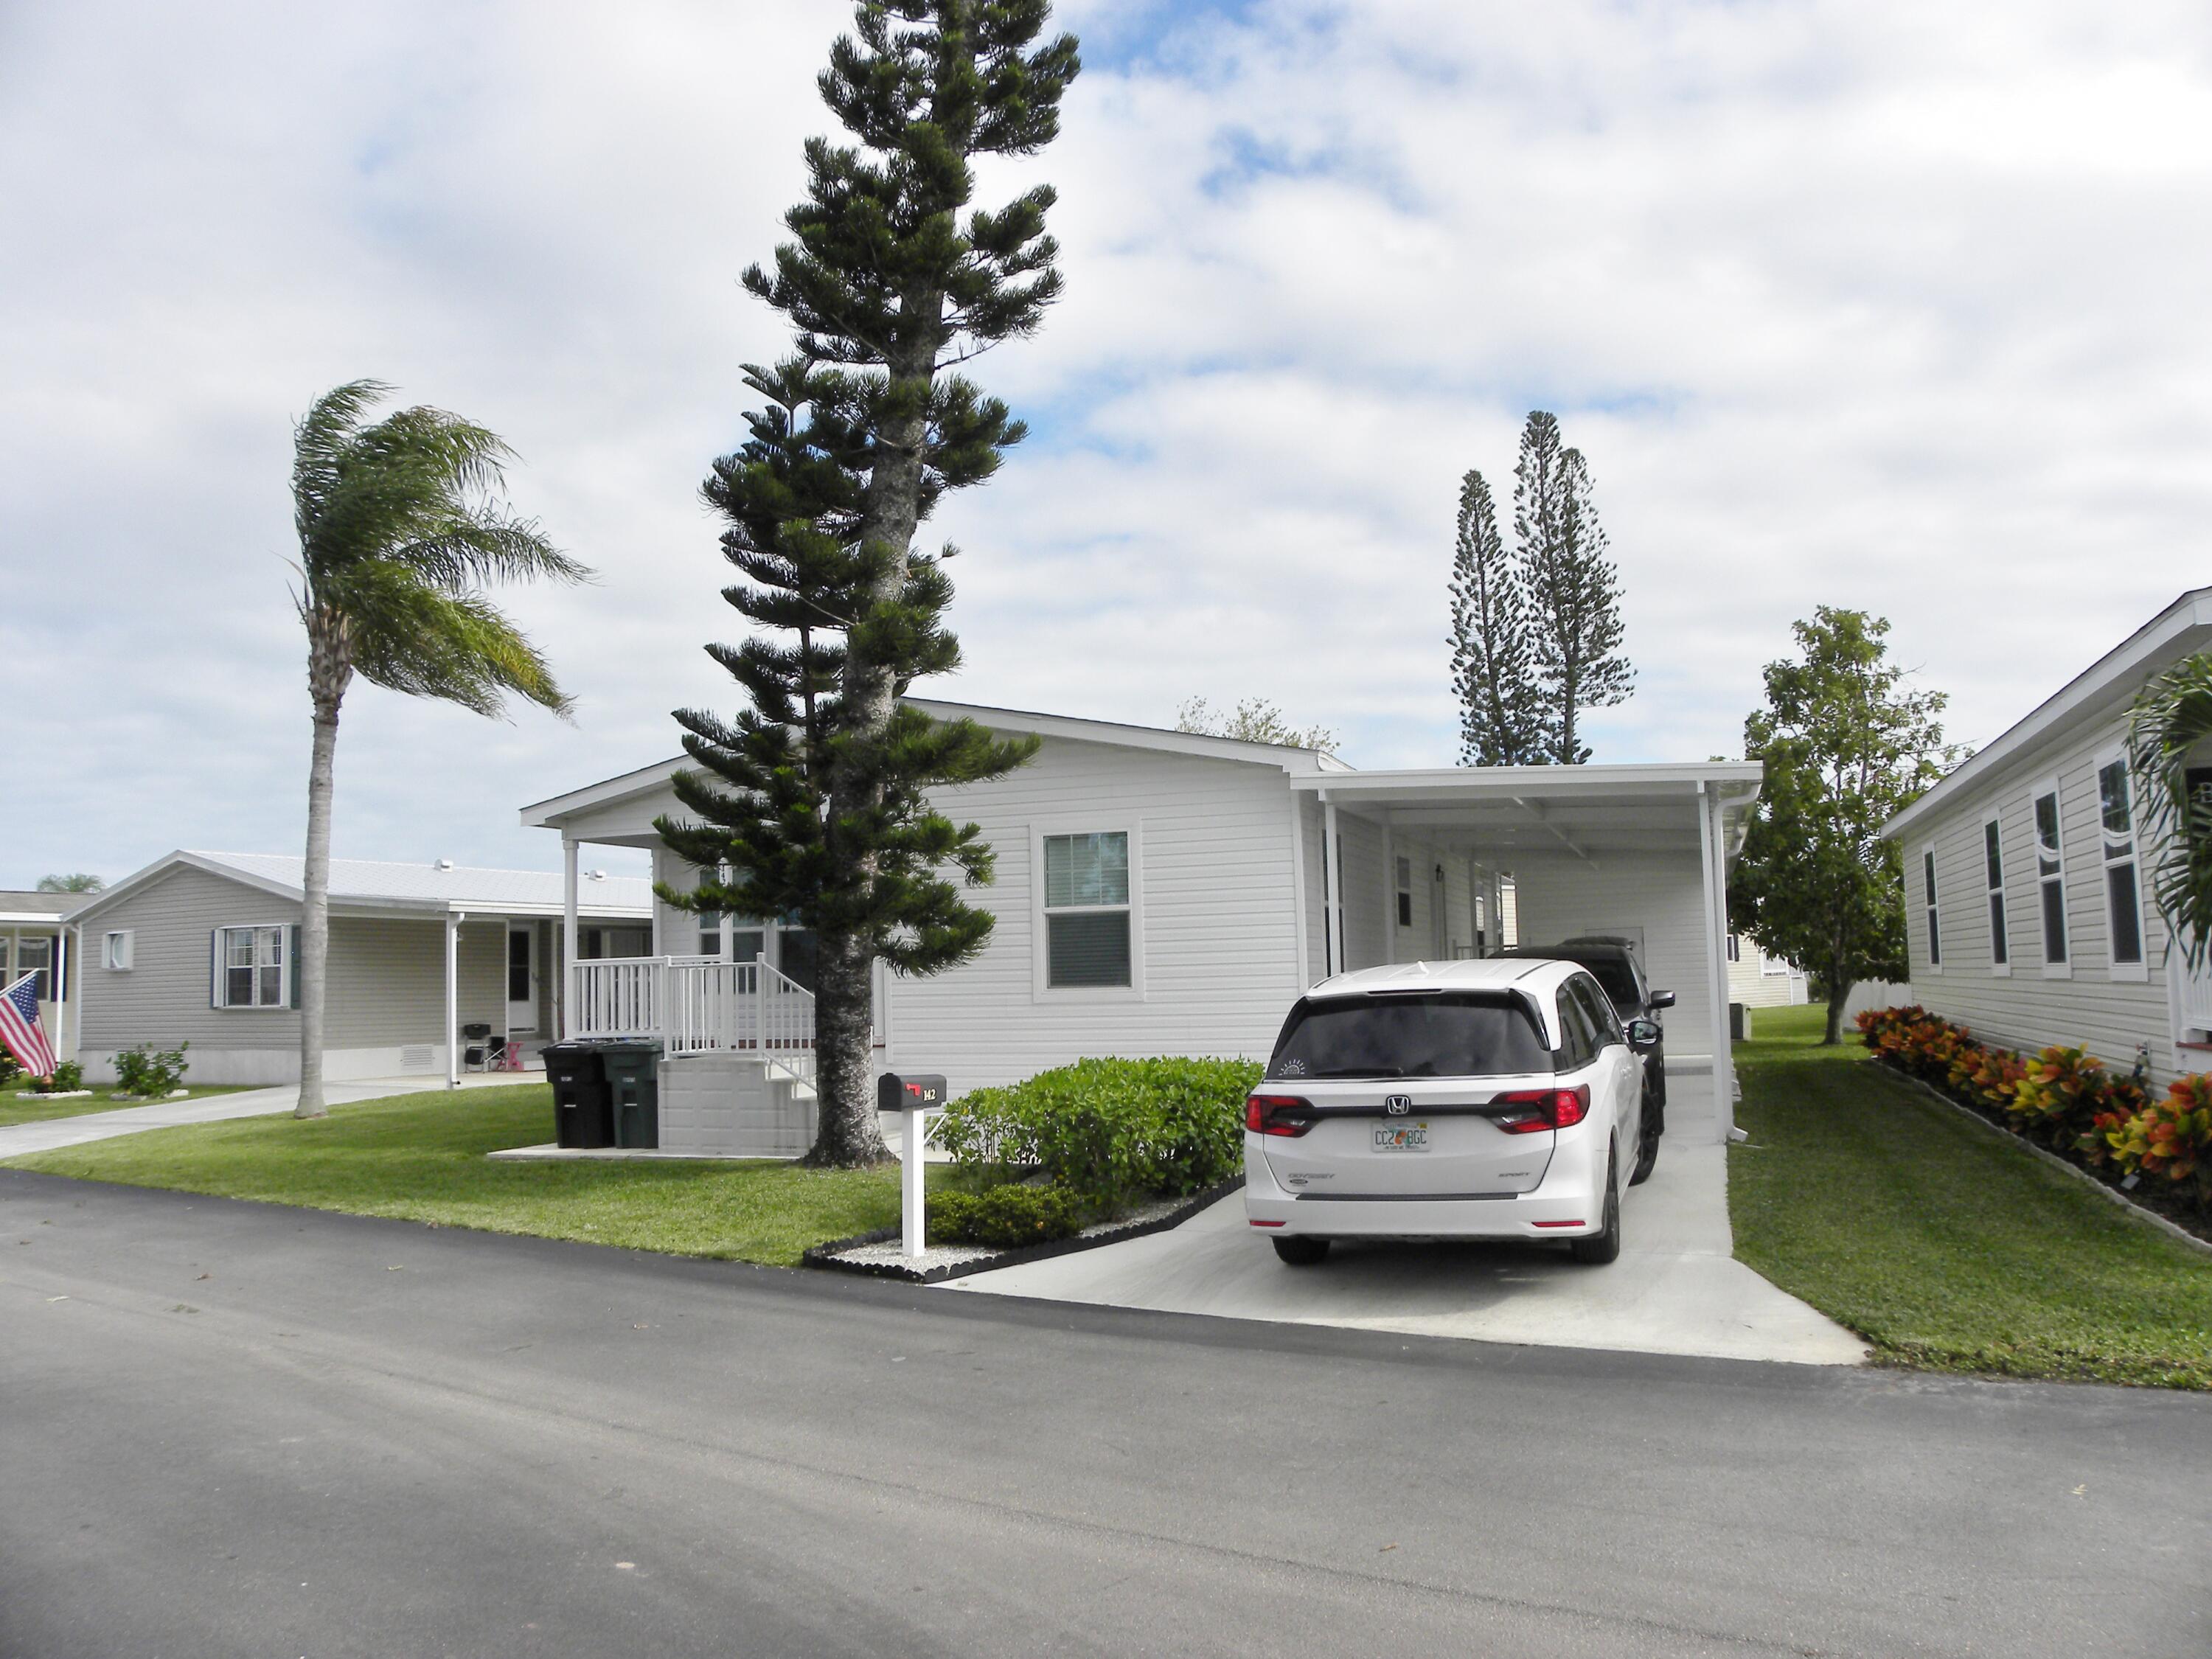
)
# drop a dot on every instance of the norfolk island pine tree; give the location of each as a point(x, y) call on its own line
point(813, 802)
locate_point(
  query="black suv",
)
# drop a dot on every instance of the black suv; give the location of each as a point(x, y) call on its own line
point(1612, 962)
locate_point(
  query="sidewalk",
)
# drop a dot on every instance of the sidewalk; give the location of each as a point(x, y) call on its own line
point(18, 1139)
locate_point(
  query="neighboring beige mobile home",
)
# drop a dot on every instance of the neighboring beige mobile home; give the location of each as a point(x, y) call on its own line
point(203, 947)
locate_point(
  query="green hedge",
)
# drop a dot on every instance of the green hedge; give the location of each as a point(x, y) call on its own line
point(1112, 1132)
point(1005, 1216)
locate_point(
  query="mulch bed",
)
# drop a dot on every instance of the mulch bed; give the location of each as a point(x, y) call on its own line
point(863, 1252)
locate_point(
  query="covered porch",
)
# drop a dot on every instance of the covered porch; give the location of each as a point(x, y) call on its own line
point(1417, 866)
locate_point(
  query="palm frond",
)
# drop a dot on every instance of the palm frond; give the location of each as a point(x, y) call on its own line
point(414, 636)
point(321, 442)
point(489, 548)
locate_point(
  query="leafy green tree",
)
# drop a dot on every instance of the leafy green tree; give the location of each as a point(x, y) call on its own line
point(813, 802)
point(1574, 591)
point(1502, 714)
point(1846, 746)
point(79, 883)
point(1255, 720)
point(399, 533)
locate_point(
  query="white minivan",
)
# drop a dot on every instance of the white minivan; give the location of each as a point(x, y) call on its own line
point(1494, 1099)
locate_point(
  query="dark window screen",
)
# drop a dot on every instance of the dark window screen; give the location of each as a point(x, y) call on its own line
point(1440, 1035)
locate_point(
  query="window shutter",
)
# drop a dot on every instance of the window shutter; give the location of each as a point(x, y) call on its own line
point(215, 968)
point(291, 967)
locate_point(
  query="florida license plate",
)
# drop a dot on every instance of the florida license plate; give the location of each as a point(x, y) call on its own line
point(1402, 1138)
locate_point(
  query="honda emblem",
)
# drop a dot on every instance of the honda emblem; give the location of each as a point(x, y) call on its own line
point(1397, 1105)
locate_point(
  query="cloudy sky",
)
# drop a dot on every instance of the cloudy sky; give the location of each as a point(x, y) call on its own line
point(1861, 302)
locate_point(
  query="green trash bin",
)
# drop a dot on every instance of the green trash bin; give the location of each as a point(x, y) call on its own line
point(633, 1072)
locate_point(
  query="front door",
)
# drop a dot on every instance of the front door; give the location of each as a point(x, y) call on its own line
point(521, 978)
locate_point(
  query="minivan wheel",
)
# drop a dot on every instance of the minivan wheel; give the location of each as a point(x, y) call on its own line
point(1647, 1155)
point(1300, 1251)
point(1599, 1248)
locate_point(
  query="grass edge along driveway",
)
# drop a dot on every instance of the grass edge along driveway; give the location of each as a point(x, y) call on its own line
point(421, 1158)
point(20, 1104)
point(1942, 1243)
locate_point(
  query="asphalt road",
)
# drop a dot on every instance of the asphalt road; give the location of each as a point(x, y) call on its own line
point(234, 1430)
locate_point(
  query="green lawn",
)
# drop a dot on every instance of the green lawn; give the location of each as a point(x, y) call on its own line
point(421, 1157)
point(1942, 1243)
point(19, 1105)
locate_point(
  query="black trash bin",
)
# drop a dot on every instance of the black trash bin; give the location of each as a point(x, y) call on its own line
point(633, 1072)
point(583, 1105)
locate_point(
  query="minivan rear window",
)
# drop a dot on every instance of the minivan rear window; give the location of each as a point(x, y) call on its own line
point(1445, 1034)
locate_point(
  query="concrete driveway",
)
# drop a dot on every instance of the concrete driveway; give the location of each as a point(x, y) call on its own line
point(1676, 1289)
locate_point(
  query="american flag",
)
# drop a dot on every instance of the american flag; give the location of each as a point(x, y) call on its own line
point(19, 1030)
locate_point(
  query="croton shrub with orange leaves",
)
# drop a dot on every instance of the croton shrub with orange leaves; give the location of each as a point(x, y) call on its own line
point(2061, 1096)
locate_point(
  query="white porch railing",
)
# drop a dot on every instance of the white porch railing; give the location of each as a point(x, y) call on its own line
point(695, 1005)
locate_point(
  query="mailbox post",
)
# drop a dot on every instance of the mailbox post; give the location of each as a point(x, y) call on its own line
point(912, 1098)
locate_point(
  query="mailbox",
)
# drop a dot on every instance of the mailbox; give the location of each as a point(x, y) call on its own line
point(918, 1093)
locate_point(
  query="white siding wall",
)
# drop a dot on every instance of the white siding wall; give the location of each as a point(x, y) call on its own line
point(1365, 944)
point(2027, 1009)
point(1663, 893)
point(1318, 950)
point(1218, 929)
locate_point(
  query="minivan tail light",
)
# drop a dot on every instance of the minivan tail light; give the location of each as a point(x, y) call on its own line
point(1533, 1110)
point(1277, 1114)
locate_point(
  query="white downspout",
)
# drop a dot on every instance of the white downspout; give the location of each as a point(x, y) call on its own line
point(1302, 974)
point(453, 919)
point(568, 933)
point(1333, 891)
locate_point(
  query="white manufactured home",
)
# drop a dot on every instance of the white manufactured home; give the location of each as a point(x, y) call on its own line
point(1165, 893)
point(2027, 914)
point(427, 961)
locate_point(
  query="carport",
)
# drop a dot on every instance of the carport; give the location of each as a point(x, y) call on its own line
point(1415, 866)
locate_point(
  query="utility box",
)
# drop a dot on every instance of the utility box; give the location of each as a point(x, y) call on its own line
point(915, 1091)
point(1738, 1023)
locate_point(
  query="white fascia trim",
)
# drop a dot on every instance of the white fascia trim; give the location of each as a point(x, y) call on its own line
point(1737, 782)
point(2164, 636)
point(547, 814)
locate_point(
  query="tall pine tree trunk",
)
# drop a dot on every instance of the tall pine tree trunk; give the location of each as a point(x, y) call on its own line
point(844, 996)
point(844, 1055)
point(327, 674)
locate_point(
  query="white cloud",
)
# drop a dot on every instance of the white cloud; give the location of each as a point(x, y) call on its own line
point(1872, 304)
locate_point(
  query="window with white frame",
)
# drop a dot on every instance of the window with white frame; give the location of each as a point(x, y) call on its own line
point(1404, 892)
point(1087, 911)
point(1735, 948)
point(1935, 924)
point(2123, 896)
point(1993, 875)
point(2051, 879)
point(117, 949)
point(251, 964)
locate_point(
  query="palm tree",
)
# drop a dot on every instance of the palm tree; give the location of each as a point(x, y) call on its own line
point(398, 531)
